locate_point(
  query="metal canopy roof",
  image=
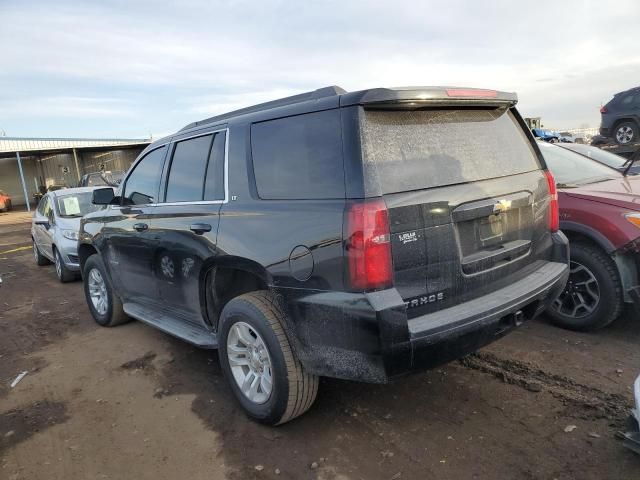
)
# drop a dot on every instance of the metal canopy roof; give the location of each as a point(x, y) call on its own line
point(16, 144)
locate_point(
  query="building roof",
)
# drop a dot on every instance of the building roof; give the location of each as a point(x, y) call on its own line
point(17, 144)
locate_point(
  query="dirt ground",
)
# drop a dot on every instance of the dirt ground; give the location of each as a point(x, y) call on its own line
point(133, 403)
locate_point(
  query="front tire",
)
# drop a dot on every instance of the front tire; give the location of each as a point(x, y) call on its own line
point(40, 259)
point(593, 296)
point(62, 272)
point(256, 357)
point(104, 304)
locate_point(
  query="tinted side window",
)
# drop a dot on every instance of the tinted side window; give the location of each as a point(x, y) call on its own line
point(628, 99)
point(299, 157)
point(214, 185)
point(186, 178)
point(41, 205)
point(143, 183)
point(46, 209)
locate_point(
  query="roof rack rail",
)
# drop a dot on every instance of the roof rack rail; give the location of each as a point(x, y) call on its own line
point(302, 97)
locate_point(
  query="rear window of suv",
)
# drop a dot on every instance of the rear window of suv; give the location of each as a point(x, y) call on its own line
point(299, 157)
point(412, 150)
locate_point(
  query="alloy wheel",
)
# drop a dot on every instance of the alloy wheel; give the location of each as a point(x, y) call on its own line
point(58, 263)
point(581, 294)
point(624, 134)
point(167, 267)
point(250, 362)
point(98, 291)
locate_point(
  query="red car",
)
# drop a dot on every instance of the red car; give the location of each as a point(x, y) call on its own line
point(5, 202)
point(600, 214)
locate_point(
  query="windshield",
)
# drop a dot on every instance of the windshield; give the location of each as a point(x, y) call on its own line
point(76, 205)
point(571, 169)
point(411, 150)
point(111, 179)
point(610, 159)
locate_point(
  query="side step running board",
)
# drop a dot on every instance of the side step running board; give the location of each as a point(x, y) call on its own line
point(177, 327)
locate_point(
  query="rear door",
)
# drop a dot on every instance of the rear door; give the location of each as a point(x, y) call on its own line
point(185, 223)
point(467, 200)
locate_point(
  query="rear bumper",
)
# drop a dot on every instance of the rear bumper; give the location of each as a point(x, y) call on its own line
point(368, 337)
point(457, 331)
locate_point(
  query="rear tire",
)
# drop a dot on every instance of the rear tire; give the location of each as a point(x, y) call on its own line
point(593, 267)
point(292, 391)
point(97, 284)
point(626, 132)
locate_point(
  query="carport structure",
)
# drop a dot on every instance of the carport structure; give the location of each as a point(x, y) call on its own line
point(27, 164)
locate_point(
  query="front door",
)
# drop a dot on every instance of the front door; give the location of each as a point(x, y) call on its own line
point(130, 240)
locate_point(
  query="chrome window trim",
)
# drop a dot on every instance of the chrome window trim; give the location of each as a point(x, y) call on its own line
point(197, 202)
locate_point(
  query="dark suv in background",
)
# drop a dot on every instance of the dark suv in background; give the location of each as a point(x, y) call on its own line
point(621, 117)
point(356, 235)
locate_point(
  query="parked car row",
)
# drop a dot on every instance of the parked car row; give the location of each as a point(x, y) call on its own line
point(360, 235)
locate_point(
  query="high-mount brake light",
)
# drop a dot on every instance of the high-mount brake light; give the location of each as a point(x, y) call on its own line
point(368, 247)
point(554, 208)
point(470, 92)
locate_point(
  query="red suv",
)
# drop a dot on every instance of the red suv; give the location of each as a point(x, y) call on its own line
point(600, 214)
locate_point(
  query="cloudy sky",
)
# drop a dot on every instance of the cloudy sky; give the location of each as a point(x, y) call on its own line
point(126, 68)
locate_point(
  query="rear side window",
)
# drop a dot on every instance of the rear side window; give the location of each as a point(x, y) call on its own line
point(144, 181)
point(412, 150)
point(299, 157)
point(214, 184)
point(188, 167)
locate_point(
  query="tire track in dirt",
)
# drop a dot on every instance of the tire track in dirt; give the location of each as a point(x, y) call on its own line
point(583, 401)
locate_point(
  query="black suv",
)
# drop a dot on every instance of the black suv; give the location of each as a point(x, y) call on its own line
point(355, 235)
point(621, 117)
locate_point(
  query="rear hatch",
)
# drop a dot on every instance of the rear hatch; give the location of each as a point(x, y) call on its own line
point(466, 197)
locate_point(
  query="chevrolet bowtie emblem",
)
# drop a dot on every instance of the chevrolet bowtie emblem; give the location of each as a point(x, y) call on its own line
point(502, 206)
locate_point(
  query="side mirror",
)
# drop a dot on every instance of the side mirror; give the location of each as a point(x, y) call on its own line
point(44, 222)
point(103, 196)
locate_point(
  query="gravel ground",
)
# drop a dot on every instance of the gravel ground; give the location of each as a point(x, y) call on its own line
point(133, 403)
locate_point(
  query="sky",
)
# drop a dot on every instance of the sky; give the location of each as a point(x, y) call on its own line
point(134, 69)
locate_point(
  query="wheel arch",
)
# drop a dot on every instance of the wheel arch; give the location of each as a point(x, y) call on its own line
point(579, 232)
point(225, 278)
point(618, 121)
point(85, 250)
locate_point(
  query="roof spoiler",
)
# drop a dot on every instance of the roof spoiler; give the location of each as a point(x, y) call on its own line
point(416, 97)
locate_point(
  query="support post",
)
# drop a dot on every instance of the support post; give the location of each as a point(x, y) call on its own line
point(24, 185)
point(75, 158)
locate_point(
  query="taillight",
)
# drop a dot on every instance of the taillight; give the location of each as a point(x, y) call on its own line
point(368, 245)
point(554, 208)
point(603, 109)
